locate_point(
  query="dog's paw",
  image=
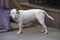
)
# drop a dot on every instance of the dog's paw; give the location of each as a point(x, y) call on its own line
point(19, 32)
point(45, 32)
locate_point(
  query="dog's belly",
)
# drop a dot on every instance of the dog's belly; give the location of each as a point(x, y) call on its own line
point(31, 21)
point(27, 21)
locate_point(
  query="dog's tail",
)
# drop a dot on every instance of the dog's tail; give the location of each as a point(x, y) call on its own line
point(48, 16)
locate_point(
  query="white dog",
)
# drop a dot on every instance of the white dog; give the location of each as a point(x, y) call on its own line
point(28, 15)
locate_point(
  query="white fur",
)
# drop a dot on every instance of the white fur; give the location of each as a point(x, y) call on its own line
point(31, 14)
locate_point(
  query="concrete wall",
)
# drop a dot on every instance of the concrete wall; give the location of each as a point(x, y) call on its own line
point(56, 22)
point(18, 1)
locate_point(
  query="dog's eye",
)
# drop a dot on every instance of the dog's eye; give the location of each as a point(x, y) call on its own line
point(16, 12)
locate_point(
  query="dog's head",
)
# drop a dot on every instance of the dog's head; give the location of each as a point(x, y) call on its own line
point(14, 14)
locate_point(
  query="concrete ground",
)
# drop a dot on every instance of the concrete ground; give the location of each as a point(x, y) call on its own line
point(31, 33)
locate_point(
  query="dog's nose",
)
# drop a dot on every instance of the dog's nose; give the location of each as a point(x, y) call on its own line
point(15, 17)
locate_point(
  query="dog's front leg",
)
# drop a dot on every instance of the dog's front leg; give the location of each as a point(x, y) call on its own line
point(20, 25)
point(20, 28)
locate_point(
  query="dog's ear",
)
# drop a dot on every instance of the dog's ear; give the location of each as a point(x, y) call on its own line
point(18, 12)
